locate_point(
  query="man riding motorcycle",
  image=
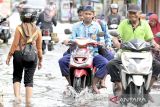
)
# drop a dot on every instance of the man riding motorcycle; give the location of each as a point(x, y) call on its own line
point(46, 19)
point(129, 29)
point(86, 28)
point(114, 17)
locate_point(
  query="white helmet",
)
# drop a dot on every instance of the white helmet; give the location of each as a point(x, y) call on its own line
point(115, 6)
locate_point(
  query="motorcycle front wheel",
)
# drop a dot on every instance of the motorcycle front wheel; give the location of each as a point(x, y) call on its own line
point(136, 94)
point(5, 41)
point(79, 83)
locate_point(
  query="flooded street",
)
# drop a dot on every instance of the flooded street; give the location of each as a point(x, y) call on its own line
point(50, 88)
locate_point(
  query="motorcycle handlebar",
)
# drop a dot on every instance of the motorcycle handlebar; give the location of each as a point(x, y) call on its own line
point(89, 43)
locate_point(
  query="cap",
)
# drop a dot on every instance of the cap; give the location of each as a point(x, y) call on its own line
point(133, 8)
point(88, 8)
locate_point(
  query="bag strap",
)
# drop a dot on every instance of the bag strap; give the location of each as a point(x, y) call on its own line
point(23, 34)
point(32, 37)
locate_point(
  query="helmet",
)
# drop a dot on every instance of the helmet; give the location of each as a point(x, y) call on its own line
point(28, 14)
point(51, 2)
point(80, 9)
point(23, 2)
point(115, 6)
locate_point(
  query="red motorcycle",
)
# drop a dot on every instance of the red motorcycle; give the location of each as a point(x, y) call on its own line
point(81, 64)
point(47, 45)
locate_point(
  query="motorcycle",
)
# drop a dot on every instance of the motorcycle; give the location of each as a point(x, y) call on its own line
point(47, 44)
point(5, 33)
point(113, 26)
point(81, 64)
point(136, 72)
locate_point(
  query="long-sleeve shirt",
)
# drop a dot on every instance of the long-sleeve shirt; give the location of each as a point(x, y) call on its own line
point(81, 30)
point(18, 38)
point(107, 36)
point(46, 24)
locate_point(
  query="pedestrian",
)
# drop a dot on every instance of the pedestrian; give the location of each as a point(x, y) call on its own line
point(26, 34)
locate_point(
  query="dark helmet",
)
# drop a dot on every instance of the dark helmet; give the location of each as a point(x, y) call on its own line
point(51, 2)
point(28, 14)
point(23, 2)
point(80, 9)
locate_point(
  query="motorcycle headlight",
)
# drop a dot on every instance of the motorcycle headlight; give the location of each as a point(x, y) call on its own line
point(139, 65)
point(128, 64)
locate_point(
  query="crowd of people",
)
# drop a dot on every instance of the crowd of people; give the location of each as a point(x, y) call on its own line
point(133, 27)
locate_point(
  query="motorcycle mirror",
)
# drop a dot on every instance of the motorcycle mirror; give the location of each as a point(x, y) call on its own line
point(114, 33)
point(67, 31)
point(100, 34)
point(2, 20)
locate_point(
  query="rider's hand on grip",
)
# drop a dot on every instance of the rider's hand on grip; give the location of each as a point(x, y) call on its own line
point(65, 42)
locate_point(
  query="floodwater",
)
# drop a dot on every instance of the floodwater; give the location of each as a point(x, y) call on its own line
point(50, 88)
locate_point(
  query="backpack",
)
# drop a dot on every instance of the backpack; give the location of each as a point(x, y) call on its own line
point(29, 53)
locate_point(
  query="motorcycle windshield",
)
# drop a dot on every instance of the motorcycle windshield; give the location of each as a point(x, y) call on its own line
point(136, 45)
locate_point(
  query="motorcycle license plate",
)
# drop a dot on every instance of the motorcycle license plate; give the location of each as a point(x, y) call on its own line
point(46, 38)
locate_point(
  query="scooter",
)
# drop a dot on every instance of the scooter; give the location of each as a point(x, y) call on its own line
point(5, 33)
point(47, 44)
point(81, 64)
point(136, 72)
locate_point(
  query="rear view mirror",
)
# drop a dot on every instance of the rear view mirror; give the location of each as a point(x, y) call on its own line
point(114, 33)
point(67, 31)
point(100, 34)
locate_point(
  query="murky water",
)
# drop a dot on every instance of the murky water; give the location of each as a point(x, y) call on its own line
point(50, 88)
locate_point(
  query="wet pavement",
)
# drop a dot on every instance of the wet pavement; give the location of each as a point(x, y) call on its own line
point(50, 88)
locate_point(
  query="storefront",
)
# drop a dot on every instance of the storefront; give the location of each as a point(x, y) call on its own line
point(68, 8)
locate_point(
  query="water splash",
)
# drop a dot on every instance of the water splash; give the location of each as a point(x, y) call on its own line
point(85, 97)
